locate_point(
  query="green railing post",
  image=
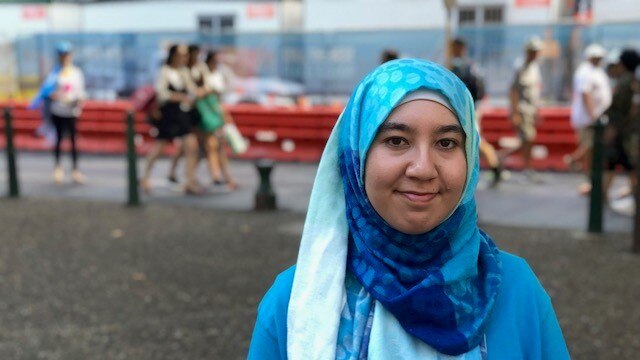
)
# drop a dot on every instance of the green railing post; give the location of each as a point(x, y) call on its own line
point(597, 162)
point(134, 197)
point(14, 188)
point(265, 196)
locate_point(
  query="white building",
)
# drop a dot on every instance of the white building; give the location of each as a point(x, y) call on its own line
point(320, 15)
point(243, 16)
point(229, 16)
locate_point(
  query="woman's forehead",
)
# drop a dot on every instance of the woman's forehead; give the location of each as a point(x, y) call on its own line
point(420, 115)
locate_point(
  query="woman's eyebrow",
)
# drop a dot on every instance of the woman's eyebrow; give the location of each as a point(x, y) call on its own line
point(390, 125)
point(450, 128)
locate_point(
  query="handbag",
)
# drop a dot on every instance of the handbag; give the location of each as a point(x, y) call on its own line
point(209, 109)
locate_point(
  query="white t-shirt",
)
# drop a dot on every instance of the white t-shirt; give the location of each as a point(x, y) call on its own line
point(70, 90)
point(215, 81)
point(178, 79)
point(594, 81)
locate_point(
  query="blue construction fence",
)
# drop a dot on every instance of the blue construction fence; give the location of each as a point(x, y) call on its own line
point(324, 64)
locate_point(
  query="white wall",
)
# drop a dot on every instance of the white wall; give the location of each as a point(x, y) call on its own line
point(65, 18)
point(336, 15)
point(616, 11)
point(531, 14)
point(326, 15)
point(172, 16)
point(12, 24)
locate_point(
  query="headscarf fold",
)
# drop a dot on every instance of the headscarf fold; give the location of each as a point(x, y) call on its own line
point(434, 292)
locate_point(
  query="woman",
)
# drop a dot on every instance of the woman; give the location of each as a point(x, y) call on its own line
point(66, 99)
point(216, 84)
point(175, 94)
point(196, 72)
point(392, 264)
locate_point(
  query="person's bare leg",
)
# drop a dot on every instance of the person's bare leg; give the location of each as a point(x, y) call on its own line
point(175, 159)
point(585, 187)
point(575, 159)
point(526, 154)
point(489, 153)
point(151, 158)
point(607, 180)
point(224, 166)
point(190, 147)
point(213, 157)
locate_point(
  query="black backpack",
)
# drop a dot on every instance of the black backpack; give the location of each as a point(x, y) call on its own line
point(464, 69)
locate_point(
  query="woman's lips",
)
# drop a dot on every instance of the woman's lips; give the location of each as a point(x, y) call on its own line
point(419, 197)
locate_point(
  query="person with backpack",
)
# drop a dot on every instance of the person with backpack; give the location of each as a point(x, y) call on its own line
point(61, 97)
point(465, 69)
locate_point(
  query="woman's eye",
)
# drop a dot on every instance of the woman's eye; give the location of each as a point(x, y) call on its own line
point(396, 141)
point(447, 144)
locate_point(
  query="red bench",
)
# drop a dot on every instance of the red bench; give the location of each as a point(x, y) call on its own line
point(283, 134)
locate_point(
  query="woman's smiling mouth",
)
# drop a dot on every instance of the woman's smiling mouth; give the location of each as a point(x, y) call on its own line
point(418, 197)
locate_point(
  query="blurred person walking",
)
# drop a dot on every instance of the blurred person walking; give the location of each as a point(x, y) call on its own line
point(214, 118)
point(623, 119)
point(524, 100)
point(196, 71)
point(64, 93)
point(591, 97)
point(465, 69)
point(175, 95)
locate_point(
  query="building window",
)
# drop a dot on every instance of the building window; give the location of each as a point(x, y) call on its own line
point(216, 24)
point(467, 16)
point(493, 15)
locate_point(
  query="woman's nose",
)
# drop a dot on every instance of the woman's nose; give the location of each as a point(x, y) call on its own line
point(421, 165)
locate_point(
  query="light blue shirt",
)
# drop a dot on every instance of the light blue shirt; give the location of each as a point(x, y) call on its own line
point(523, 324)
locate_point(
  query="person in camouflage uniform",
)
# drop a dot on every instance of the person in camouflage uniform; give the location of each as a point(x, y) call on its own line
point(524, 100)
point(621, 134)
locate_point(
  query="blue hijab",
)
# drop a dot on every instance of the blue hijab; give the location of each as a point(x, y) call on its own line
point(439, 287)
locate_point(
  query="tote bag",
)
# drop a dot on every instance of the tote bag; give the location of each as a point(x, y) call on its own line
point(209, 109)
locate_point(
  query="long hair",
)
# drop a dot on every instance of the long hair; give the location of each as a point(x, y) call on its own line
point(173, 50)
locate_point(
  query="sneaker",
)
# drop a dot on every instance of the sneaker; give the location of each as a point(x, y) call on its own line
point(625, 207)
point(58, 175)
point(78, 178)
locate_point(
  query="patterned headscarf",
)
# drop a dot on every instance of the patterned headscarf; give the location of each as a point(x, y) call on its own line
point(358, 280)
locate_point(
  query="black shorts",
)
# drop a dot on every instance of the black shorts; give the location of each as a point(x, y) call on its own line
point(617, 155)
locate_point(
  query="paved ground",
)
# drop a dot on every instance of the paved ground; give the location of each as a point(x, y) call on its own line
point(96, 280)
point(554, 203)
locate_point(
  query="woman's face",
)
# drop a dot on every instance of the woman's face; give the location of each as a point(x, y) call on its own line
point(416, 166)
point(212, 63)
point(66, 59)
point(180, 58)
